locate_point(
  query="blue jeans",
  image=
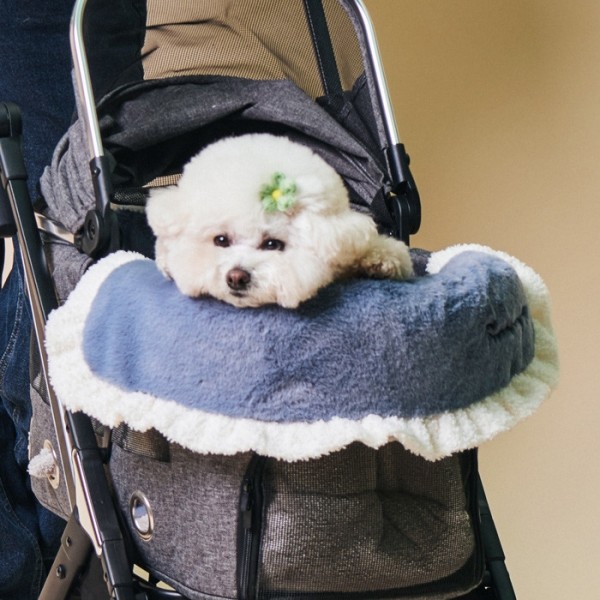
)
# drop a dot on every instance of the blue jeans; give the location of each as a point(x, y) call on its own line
point(35, 74)
point(29, 534)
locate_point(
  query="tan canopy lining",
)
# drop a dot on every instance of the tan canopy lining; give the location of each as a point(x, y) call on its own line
point(255, 39)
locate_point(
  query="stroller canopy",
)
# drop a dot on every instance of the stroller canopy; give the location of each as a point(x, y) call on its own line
point(319, 46)
point(182, 74)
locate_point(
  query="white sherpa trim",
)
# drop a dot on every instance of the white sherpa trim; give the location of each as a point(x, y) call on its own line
point(432, 437)
point(43, 464)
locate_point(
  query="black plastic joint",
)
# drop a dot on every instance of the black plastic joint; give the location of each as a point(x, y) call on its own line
point(100, 171)
point(11, 159)
point(8, 227)
point(93, 238)
point(404, 203)
point(100, 232)
point(11, 124)
point(12, 167)
point(399, 162)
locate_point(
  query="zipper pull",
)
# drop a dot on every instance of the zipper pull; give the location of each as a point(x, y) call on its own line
point(246, 505)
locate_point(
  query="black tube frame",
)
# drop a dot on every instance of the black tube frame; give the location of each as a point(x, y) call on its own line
point(82, 461)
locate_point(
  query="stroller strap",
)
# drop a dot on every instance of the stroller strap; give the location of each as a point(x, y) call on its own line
point(328, 69)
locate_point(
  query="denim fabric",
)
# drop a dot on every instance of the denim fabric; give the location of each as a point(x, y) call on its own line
point(28, 533)
point(35, 74)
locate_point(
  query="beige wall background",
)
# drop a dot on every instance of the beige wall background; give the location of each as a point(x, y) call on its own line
point(498, 104)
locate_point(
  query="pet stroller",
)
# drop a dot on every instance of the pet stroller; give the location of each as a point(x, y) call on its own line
point(269, 501)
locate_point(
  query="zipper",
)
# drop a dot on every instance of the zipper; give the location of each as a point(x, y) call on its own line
point(249, 528)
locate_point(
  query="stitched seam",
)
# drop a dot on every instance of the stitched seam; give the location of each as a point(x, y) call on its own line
point(11, 342)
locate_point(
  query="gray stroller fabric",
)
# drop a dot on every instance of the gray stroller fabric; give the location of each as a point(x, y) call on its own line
point(152, 128)
point(356, 521)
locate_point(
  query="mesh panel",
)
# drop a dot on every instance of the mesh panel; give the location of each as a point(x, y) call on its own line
point(364, 521)
point(248, 38)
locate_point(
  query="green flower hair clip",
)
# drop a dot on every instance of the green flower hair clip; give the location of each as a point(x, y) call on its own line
point(279, 193)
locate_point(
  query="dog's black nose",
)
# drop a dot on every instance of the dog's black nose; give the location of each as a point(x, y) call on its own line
point(238, 279)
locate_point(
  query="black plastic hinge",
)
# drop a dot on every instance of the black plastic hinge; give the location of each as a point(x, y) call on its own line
point(100, 232)
point(12, 167)
point(404, 202)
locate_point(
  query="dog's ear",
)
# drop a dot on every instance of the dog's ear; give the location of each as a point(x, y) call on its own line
point(322, 193)
point(167, 211)
point(339, 238)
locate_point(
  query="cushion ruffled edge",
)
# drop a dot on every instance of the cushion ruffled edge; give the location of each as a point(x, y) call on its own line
point(432, 437)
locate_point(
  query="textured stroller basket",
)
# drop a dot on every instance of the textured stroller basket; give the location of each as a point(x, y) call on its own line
point(359, 522)
point(350, 523)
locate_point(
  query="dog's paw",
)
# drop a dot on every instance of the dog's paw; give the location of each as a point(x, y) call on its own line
point(387, 258)
point(386, 268)
point(161, 252)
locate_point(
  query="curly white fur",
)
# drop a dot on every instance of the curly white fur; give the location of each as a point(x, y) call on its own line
point(215, 238)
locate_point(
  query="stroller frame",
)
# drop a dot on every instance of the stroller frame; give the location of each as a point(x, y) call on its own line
point(94, 527)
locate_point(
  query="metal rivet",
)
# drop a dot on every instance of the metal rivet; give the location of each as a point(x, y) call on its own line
point(54, 474)
point(141, 515)
point(61, 571)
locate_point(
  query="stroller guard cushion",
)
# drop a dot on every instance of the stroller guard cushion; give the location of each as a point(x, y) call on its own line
point(440, 363)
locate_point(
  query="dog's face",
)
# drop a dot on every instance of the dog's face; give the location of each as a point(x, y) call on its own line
point(220, 232)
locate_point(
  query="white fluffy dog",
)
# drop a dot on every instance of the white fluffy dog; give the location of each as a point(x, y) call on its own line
point(259, 219)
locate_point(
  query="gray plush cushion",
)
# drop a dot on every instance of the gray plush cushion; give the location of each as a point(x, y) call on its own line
point(439, 363)
point(409, 349)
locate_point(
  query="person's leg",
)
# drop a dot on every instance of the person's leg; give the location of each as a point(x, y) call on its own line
point(35, 74)
point(35, 66)
point(21, 561)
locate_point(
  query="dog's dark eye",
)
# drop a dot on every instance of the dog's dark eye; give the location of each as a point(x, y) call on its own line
point(222, 241)
point(272, 244)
